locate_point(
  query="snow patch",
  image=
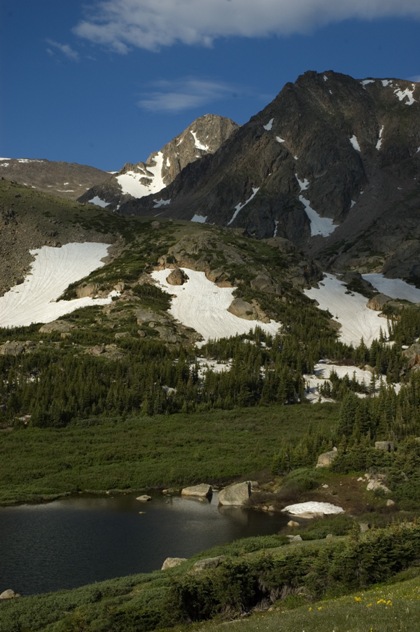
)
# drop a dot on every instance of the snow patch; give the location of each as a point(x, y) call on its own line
point(241, 205)
point(394, 288)
point(302, 183)
point(386, 82)
point(319, 225)
point(350, 310)
point(4, 164)
point(26, 160)
point(161, 202)
point(269, 126)
point(325, 78)
point(205, 364)
point(35, 300)
point(198, 143)
point(406, 94)
point(203, 305)
point(276, 225)
point(379, 143)
point(200, 219)
point(366, 82)
point(313, 508)
point(355, 142)
point(99, 202)
point(279, 139)
point(130, 181)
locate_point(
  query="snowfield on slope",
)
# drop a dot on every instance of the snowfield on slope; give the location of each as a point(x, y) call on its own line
point(202, 305)
point(350, 310)
point(35, 300)
point(394, 288)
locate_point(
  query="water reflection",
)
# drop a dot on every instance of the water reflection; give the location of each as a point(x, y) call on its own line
point(80, 540)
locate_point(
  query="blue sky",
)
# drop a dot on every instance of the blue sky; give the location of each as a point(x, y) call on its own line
point(105, 82)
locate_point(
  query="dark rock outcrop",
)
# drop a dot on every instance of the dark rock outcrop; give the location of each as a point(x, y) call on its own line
point(345, 149)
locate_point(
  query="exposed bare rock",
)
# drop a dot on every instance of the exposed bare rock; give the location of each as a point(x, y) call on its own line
point(59, 326)
point(236, 494)
point(386, 446)
point(413, 355)
point(378, 301)
point(144, 498)
point(326, 459)
point(88, 289)
point(208, 562)
point(198, 491)
point(15, 347)
point(242, 309)
point(171, 562)
point(177, 277)
point(9, 594)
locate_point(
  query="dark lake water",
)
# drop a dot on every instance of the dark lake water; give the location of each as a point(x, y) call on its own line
point(76, 541)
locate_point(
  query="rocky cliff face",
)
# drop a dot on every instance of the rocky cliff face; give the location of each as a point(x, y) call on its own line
point(331, 164)
point(65, 179)
point(204, 136)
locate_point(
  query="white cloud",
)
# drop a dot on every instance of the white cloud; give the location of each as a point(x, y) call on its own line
point(65, 49)
point(152, 24)
point(183, 94)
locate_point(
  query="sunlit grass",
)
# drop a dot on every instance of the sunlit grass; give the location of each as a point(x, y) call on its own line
point(391, 608)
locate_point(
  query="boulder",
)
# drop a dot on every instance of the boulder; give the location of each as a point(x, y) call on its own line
point(89, 289)
point(326, 458)
point(144, 498)
point(387, 446)
point(171, 562)
point(208, 562)
point(9, 594)
point(60, 326)
point(235, 495)
point(293, 524)
point(378, 301)
point(15, 347)
point(198, 491)
point(242, 309)
point(177, 277)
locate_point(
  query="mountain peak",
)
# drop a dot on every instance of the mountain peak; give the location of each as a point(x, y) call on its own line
point(203, 136)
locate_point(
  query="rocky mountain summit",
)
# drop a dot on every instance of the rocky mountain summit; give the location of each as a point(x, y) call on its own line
point(331, 164)
point(204, 136)
point(65, 179)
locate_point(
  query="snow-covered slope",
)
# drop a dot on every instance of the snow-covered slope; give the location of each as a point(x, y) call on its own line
point(350, 310)
point(35, 300)
point(202, 305)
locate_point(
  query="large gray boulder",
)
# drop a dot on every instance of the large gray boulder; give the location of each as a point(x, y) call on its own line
point(9, 594)
point(171, 562)
point(326, 458)
point(198, 491)
point(177, 277)
point(235, 495)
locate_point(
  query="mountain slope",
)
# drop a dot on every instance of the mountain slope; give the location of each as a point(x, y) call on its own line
point(204, 136)
point(330, 160)
point(65, 179)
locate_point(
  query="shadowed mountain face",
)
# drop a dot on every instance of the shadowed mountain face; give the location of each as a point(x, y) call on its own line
point(331, 164)
point(204, 136)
